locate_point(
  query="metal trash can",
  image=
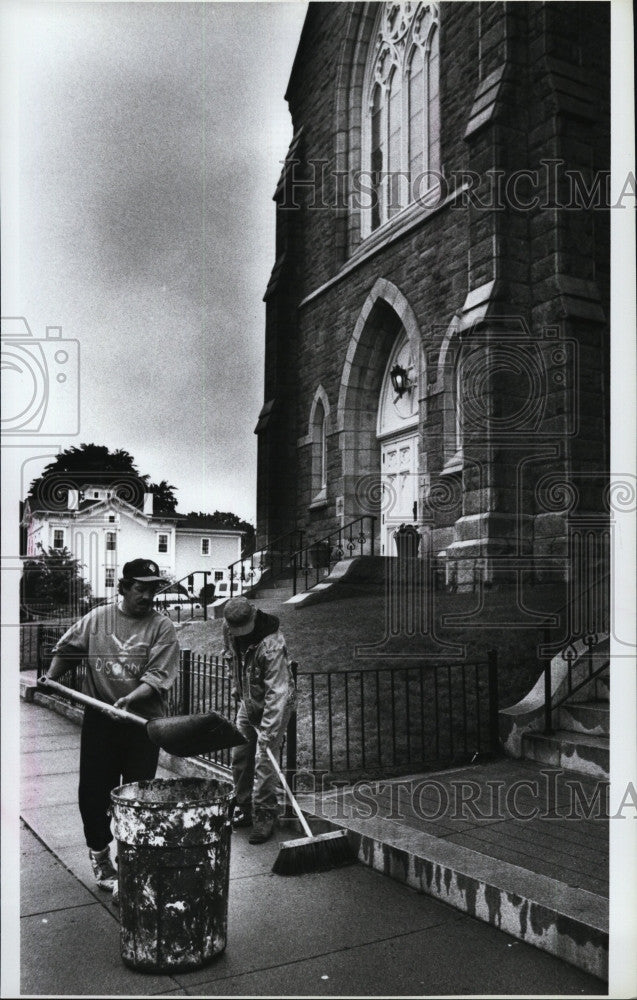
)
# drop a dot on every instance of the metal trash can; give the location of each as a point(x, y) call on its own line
point(173, 849)
point(407, 539)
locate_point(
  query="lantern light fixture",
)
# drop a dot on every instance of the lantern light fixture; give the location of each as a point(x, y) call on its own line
point(401, 381)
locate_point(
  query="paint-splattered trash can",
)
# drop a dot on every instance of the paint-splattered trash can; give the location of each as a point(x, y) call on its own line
point(173, 848)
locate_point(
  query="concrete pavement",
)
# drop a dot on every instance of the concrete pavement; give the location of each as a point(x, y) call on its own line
point(349, 932)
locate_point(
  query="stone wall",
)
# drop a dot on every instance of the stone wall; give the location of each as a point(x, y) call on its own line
point(510, 267)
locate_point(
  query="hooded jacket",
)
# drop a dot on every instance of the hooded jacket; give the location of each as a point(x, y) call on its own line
point(262, 677)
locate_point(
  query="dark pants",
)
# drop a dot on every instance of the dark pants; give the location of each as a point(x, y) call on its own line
point(111, 754)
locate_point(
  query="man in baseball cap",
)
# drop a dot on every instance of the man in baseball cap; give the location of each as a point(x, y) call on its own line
point(131, 655)
point(263, 683)
point(143, 570)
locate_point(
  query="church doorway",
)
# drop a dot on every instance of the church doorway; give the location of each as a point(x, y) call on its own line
point(397, 431)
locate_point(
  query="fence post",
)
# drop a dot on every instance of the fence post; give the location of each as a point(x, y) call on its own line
point(290, 750)
point(205, 596)
point(38, 650)
point(548, 693)
point(494, 703)
point(186, 671)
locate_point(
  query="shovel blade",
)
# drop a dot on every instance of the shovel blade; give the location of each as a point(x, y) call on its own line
point(189, 735)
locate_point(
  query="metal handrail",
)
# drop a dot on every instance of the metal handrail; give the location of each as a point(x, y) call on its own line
point(269, 558)
point(592, 637)
point(334, 553)
point(193, 600)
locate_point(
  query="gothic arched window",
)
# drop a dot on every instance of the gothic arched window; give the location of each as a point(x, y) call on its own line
point(319, 451)
point(401, 111)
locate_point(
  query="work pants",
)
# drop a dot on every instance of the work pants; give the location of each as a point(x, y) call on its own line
point(255, 781)
point(111, 754)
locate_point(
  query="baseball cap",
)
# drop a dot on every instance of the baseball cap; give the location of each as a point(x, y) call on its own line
point(142, 570)
point(240, 616)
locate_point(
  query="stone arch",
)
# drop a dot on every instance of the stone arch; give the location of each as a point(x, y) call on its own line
point(445, 386)
point(320, 396)
point(320, 408)
point(348, 105)
point(385, 313)
point(384, 297)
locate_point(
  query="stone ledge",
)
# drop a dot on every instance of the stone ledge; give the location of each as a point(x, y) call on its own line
point(567, 922)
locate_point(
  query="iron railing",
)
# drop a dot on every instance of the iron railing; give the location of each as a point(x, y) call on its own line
point(317, 559)
point(358, 721)
point(389, 719)
point(190, 599)
point(275, 560)
point(588, 623)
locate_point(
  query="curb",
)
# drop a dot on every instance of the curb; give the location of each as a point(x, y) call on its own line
point(570, 923)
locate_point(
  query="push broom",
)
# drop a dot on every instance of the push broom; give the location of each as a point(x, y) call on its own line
point(309, 854)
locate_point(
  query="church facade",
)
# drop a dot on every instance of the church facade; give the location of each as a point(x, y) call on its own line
point(437, 319)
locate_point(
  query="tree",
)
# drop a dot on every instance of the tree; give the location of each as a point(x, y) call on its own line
point(94, 465)
point(164, 499)
point(226, 519)
point(52, 581)
point(90, 464)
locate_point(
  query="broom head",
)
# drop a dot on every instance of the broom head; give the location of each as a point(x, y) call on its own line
point(314, 854)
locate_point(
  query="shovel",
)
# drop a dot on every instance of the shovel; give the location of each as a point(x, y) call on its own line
point(180, 735)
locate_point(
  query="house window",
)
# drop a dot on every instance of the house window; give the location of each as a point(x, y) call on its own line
point(401, 111)
point(109, 577)
point(111, 541)
point(58, 538)
point(111, 519)
point(162, 542)
point(218, 575)
point(205, 546)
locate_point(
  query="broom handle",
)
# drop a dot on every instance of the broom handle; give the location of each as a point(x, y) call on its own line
point(293, 802)
point(119, 714)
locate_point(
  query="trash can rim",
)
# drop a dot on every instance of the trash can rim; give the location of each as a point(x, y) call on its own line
point(222, 792)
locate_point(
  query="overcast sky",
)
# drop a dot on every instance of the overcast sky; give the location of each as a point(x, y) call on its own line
point(148, 143)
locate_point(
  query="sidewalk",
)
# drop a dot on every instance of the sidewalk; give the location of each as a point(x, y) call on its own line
point(349, 932)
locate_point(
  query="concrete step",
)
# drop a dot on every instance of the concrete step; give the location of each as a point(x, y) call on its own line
point(272, 598)
point(568, 921)
point(591, 717)
point(574, 751)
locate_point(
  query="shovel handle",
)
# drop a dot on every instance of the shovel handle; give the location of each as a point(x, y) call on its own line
point(84, 699)
point(297, 809)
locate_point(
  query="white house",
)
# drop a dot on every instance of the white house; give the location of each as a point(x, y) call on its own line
point(103, 532)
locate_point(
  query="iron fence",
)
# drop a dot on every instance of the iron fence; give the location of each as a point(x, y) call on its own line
point(351, 722)
point(377, 720)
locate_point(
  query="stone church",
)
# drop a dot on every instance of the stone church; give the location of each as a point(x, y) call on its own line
point(437, 318)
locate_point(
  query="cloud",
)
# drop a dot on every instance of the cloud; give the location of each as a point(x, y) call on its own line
point(150, 141)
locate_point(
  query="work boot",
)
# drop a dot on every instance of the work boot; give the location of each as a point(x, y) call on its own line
point(103, 870)
point(242, 817)
point(262, 828)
